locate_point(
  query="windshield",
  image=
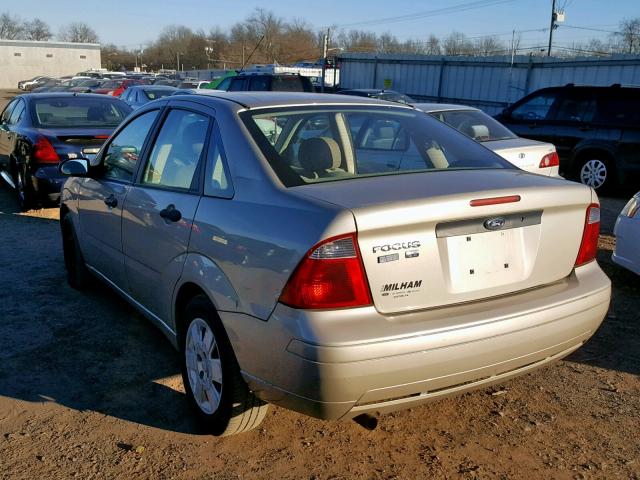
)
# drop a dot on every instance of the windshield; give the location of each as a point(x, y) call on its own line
point(318, 144)
point(78, 112)
point(475, 124)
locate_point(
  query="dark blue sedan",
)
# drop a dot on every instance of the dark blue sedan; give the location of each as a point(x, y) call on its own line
point(37, 131)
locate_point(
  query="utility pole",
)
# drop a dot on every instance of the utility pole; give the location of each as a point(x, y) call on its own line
point(325, 51)
point(177, 61)
point(552, 26)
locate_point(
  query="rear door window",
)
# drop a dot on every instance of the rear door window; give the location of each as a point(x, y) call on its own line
point(176, 153)
point(17, 113)
point(576, 107)
point(238, 85)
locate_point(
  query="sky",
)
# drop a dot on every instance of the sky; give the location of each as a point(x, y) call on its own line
point(137, 22)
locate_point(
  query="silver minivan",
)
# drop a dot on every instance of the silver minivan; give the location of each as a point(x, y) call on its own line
point(334, 255)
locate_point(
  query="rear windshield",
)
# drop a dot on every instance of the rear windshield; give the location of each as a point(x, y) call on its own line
point(157, 93)
point(78, 112)
point(319, 144)
point(477, 125)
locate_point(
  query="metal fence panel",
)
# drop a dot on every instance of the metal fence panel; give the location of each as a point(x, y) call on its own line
point(490, 83)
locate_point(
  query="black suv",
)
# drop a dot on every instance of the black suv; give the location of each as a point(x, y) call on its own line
point(266, 82)
point(596, 130)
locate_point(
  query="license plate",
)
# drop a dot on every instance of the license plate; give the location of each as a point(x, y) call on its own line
point(485, 260)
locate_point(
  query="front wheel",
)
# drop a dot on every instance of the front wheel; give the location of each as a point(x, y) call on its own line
point(596, 173)
point(216, 391)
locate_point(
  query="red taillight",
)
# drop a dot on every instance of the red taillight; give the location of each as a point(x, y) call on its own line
point(101, 137)
point(43, 152)
point(589, 244)
point(550, 160)
point(331, 275)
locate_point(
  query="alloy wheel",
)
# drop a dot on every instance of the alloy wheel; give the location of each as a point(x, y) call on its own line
point(594, 173)
point(204, 368)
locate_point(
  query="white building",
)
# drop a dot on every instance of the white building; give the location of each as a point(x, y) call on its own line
point(25, 59)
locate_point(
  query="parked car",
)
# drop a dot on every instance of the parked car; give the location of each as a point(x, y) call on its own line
point(29, 86)
point(193, 84)
point(272, 82)
point(530, 155)
point(138, 95)
point(65, 85)
point(38, 130)
point(23, 83)
point(596, 130)
point(627, 233)
point(88, 86)
point(167, 82)
point(46, 86)
point(328, 268)
point(388, 95)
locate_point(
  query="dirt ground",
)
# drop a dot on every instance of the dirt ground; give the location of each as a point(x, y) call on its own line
point(90, 389)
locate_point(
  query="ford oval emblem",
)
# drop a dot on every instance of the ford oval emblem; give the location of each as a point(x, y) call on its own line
point(494, 223)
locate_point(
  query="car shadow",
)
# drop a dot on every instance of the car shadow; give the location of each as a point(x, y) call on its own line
point(89, 351)
point(614, 346)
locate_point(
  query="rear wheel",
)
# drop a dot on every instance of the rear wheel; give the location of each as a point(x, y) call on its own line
point(216, 391)
point(25, 193)
point(78, 275)
point(596, 173)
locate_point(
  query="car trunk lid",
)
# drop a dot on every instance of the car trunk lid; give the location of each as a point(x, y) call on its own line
point(423, 245)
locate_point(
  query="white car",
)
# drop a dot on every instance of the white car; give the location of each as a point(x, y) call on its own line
point(530, 155)
point(627, 232)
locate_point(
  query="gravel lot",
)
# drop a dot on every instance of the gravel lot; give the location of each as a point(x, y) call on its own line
point(90, 389)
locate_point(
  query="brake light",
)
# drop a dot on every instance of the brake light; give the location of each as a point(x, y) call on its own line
point(100, 137)
point(331, 275)
point(43, 152)
point(550, 160)
point(589, 244)
point(483, 202)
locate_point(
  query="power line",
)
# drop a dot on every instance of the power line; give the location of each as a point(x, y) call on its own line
point(428, 13)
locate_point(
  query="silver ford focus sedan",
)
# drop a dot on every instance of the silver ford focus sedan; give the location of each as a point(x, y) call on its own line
point(333, 255)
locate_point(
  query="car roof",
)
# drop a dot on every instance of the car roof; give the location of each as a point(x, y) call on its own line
point(153, 87)
point(260, 99)
point(368, 90)
point(442, 107)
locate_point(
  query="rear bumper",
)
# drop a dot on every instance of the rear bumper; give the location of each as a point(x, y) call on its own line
point(339, 364)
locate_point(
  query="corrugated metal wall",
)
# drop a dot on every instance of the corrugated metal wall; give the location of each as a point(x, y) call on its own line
point(490, 83)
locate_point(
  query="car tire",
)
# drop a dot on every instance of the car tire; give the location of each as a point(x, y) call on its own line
point(24, 191)
point(78, 275)
point(597, 172)
point(216, 391)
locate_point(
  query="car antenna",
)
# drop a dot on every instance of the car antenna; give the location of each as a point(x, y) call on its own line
point(251, 54)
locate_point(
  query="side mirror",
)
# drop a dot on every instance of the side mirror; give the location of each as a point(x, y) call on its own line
point(76, 167)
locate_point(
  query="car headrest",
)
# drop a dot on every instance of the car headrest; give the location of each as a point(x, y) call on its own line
point(479, 131)
point(318, 154)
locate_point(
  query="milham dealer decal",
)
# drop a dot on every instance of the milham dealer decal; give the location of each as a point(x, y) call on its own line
point(401, 289)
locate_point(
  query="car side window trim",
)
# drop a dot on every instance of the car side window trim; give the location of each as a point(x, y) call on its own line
point(150, 142)
point(215, 141)
point(145, 145)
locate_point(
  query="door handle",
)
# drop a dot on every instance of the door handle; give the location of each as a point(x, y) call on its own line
point(111, 201)
point(171, 213)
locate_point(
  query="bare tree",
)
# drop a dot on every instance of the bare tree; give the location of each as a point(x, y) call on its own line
point(629, 35)
point(78, 32)
point(10, 27)
point(457, 43)
point(489, 46)
point(37, 30)
point(432, 47)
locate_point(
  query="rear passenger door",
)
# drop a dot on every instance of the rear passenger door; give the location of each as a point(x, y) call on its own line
point(160, 207)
